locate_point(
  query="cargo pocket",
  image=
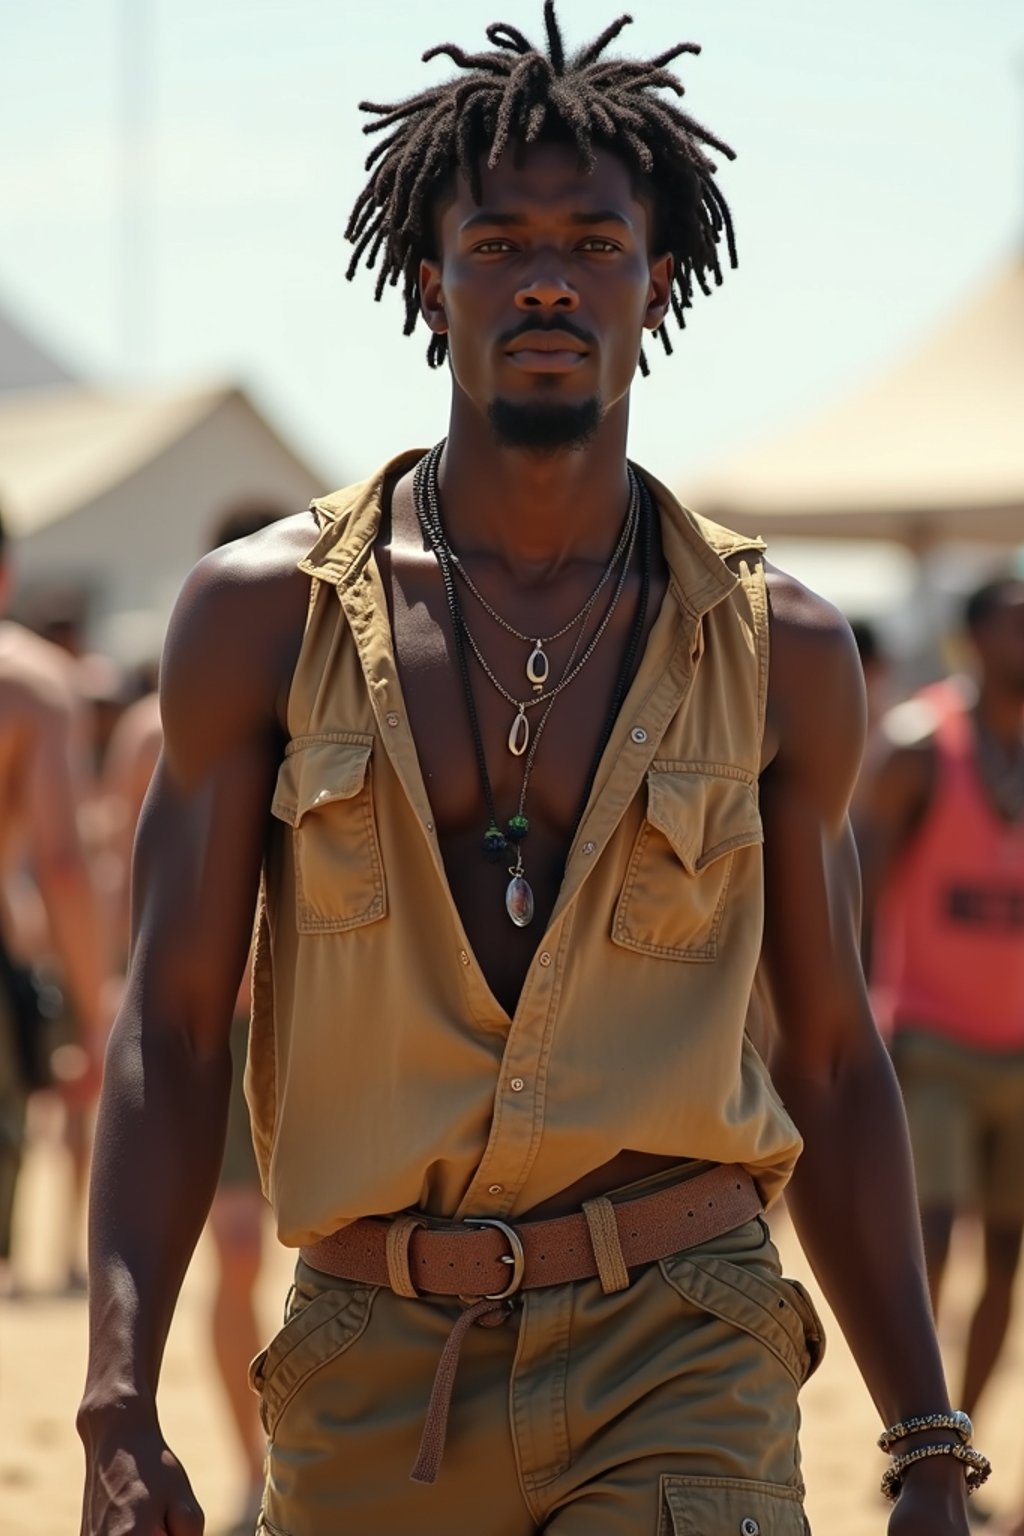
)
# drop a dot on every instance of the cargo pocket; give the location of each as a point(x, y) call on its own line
point(325, 794)
point(725, 1506)
point(753, 1298)
point(317, 1331)
point(677, 882)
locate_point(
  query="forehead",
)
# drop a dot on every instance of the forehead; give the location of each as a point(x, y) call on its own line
point(546, 181)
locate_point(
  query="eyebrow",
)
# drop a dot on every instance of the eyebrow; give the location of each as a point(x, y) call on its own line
point(513, 220)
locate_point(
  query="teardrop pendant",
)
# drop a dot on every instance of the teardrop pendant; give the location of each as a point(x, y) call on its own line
point(537, 667)
point(519, 735)
point(519, 902)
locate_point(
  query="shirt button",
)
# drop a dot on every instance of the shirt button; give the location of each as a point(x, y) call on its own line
point(430, 826)
point(391, 718)
point(588, 848)
point(544, 958)
point(639, 735)
point(463, 957)
point(750, 1527)
point(495, 1189)
point(517, 1085)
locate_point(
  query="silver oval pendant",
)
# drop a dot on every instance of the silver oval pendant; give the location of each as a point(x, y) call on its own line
point(537, 667)
point(519, 901)
point(519, 735)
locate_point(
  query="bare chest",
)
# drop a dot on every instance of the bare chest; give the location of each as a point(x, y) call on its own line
point(474, 777)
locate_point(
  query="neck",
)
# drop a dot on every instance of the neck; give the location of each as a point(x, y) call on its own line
point(535, 512)
point(1001, 712)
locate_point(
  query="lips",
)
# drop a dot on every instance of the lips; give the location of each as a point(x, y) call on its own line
point(546, 352)
point(547, 341)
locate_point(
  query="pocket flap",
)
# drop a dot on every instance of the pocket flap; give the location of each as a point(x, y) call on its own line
point(703, 815)
point(317, 770)
point(725, 1506)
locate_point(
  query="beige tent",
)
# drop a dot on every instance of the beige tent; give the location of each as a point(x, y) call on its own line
point(933, 450)
point(114, 495)
point(24, 364)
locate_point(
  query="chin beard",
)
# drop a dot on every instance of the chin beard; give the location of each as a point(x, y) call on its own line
point(544, 426)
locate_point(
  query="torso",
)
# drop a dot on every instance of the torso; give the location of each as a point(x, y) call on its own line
point(437, 713)
point(428, 669)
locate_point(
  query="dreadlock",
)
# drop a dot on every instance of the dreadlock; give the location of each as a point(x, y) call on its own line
point(520, 95)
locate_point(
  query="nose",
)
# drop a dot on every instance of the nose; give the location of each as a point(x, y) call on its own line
point(546, 291)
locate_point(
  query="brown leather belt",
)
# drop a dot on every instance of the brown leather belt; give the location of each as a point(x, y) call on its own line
point(486, 1258)
point(485, 1262)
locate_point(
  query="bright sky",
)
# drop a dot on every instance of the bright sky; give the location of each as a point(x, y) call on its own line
point(880, 180)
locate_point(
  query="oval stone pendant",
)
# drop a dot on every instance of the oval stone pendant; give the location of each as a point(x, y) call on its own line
point(519, 735)
point(537, 667)
point(519, 901)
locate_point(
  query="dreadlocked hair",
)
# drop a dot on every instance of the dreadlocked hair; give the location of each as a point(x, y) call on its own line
point(517, 95)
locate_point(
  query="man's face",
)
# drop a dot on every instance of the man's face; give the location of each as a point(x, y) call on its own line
point(1000, 641)
point(544, 289)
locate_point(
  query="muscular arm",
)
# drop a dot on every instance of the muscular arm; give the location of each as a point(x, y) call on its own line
point(852, 1194)
point(160, 1135)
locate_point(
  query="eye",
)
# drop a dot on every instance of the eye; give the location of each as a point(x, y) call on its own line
point(492, 247)
point(599, 243)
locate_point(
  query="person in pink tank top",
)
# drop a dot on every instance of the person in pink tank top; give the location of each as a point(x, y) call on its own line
point(942, 849)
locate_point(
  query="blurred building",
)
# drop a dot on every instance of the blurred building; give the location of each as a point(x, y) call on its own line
point(110, 495)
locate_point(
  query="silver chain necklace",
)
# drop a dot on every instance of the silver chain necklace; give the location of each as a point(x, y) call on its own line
point(519, 731)
point(538, 667)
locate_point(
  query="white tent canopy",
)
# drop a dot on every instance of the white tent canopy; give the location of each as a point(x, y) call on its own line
point(24, 364)
point(115, 495)
point(931, 451)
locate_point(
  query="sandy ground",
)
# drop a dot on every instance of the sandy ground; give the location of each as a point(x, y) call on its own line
point(42, 1355)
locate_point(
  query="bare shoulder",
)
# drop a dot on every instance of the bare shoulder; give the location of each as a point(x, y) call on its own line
point(35, 676)
point(234, 638)
point(816, 703)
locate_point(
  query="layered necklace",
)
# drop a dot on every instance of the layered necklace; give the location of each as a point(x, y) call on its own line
point(497, 844)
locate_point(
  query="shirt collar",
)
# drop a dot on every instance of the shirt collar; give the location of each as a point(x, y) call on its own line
point(696, 550)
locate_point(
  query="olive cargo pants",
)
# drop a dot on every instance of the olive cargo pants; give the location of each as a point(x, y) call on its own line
point(667, 1409)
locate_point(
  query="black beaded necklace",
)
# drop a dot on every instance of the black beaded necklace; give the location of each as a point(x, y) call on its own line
point(496, 844)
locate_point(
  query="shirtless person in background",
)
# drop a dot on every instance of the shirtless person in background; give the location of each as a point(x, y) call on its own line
point(39, 801)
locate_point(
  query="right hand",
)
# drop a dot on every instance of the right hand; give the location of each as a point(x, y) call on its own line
point(135, 1486)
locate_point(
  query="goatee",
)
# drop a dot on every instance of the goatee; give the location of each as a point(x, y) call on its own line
point(544, 426)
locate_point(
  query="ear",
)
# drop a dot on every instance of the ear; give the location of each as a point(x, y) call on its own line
point(431, 297)
point(662, 268)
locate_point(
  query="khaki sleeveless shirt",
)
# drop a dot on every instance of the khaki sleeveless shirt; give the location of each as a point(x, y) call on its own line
point(382, 1072)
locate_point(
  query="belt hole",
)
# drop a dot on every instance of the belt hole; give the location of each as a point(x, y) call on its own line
point(710, 1204)
point(782, 1303)
point(689, 1213)
point(632, 1234)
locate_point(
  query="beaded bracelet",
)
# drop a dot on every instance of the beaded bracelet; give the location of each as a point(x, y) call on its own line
point(955, 1420)
point(977, 1467)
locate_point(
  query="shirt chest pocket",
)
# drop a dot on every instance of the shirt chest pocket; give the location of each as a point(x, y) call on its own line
point(325, 794)
point(677, 883)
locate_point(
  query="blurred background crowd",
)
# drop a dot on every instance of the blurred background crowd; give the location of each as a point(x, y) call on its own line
point(180, 362)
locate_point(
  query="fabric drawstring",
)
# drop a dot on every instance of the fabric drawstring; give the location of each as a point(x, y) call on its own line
point(489, 1314)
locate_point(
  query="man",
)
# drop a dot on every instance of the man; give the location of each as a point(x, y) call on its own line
point(943, 848)
point(40, 797)
point(516, 646)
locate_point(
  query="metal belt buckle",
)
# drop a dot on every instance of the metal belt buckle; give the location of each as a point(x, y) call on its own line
point(517, 1256)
